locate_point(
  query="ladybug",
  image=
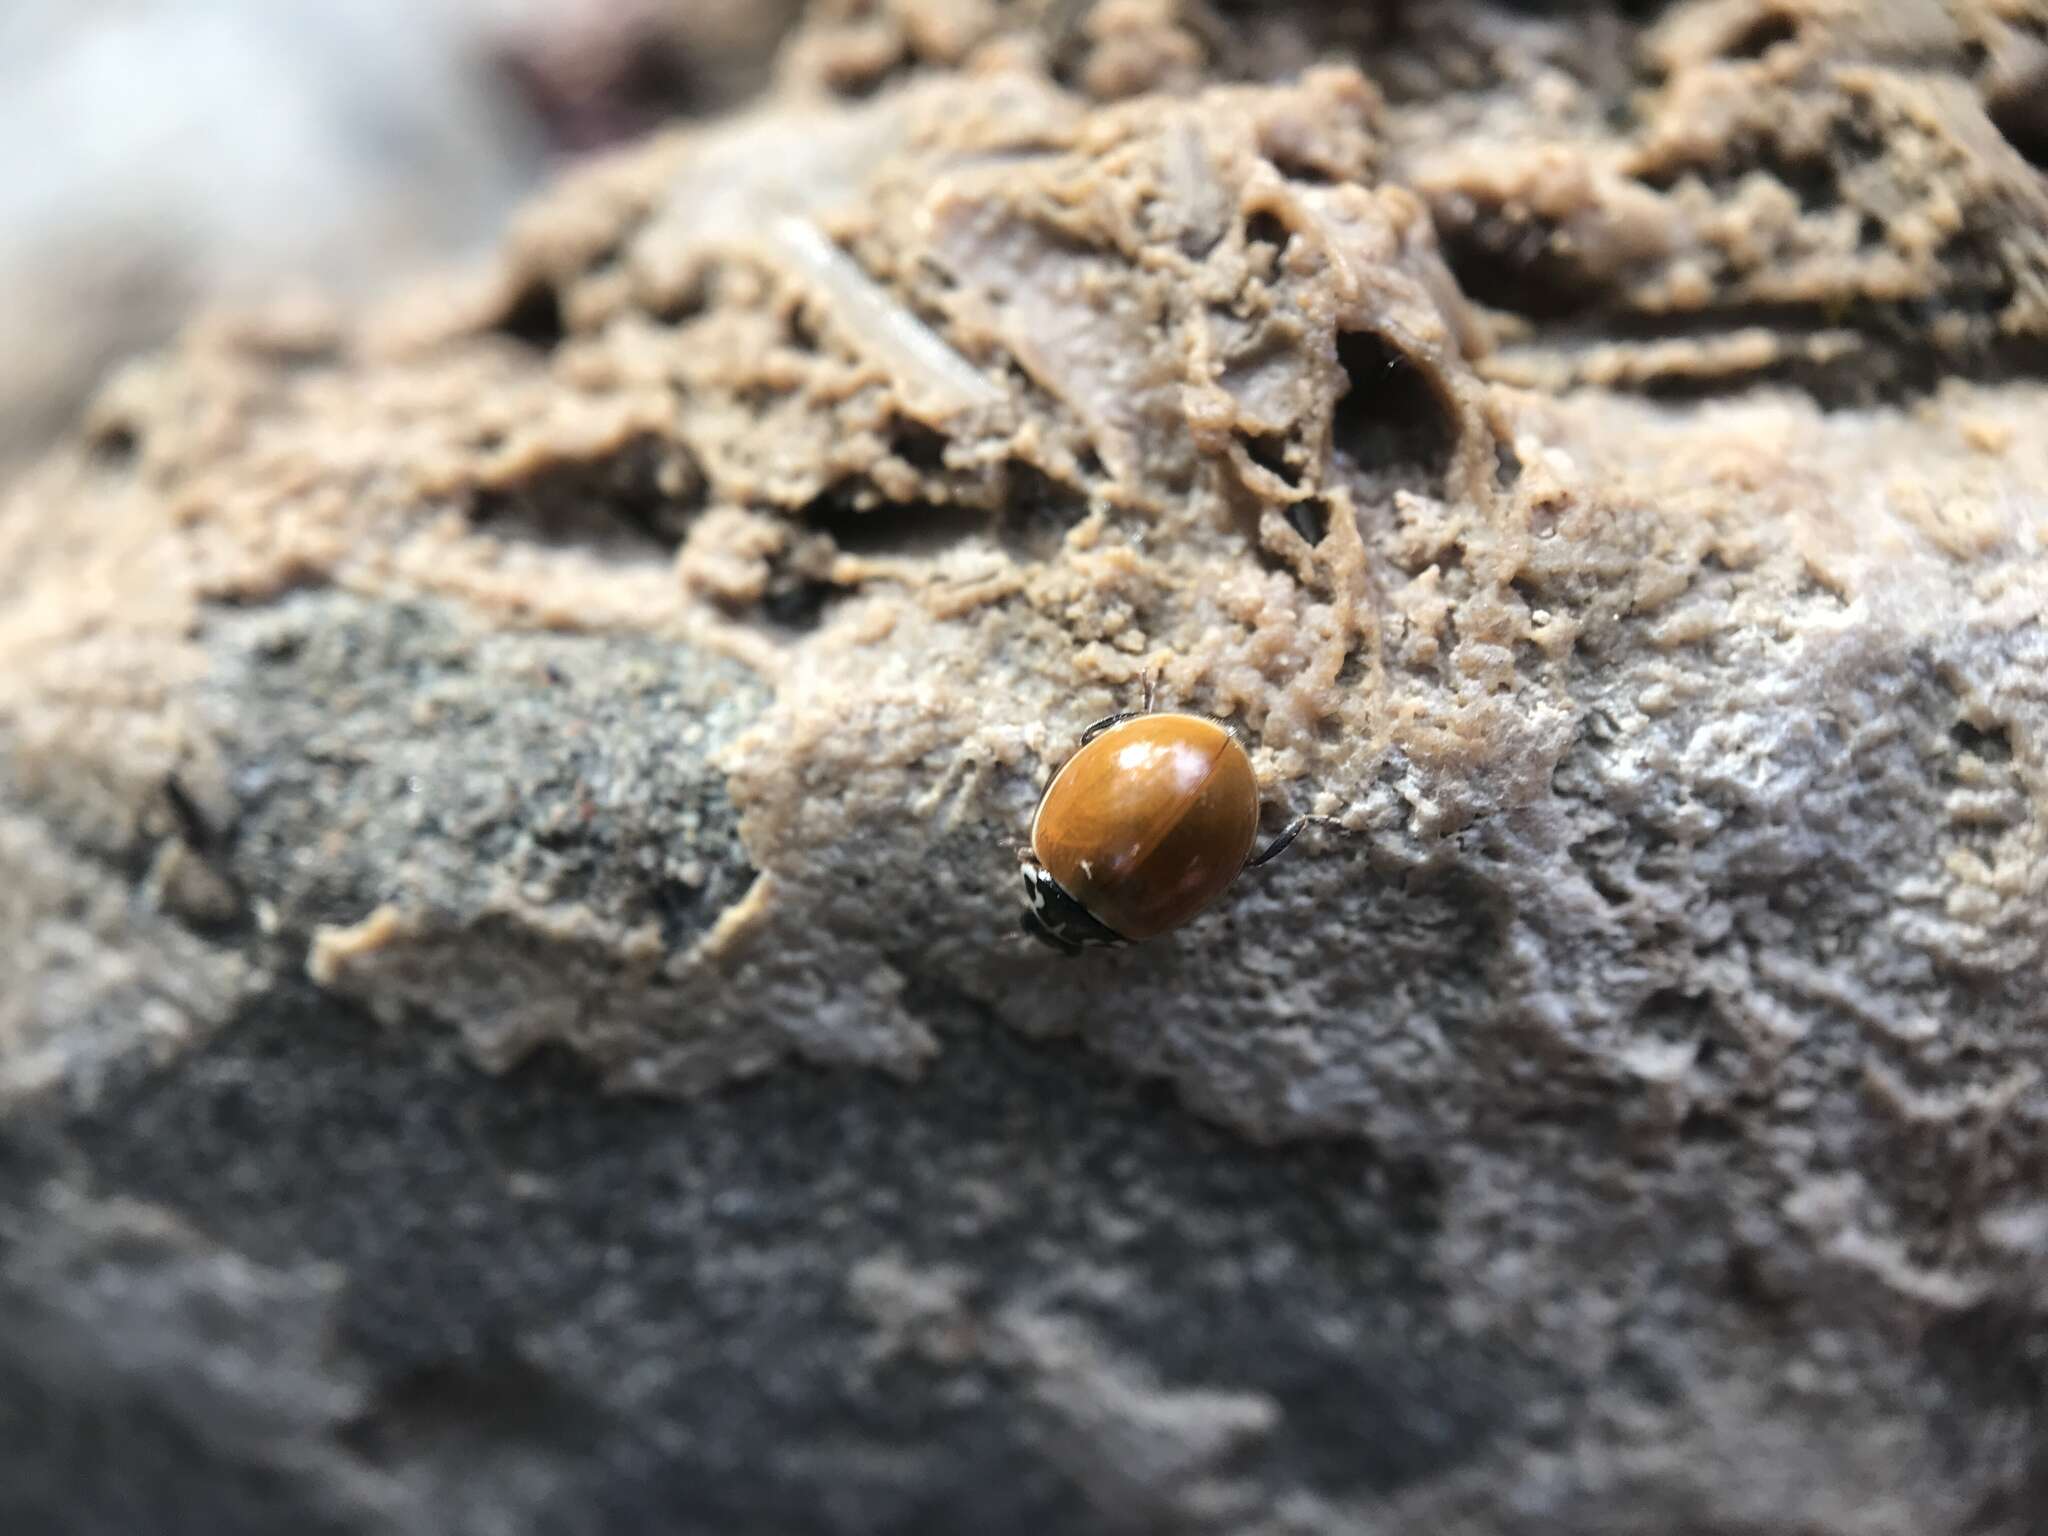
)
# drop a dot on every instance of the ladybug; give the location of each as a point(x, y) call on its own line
point(1142, 830)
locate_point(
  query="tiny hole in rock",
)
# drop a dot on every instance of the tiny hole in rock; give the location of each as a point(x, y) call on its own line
point(1295, 168)
point(797, 604)
point(535, 317)
point(658, 82)
point(114, 446)
point(674, 900)
point(1268, 450)
point(1416, 1188)
point(1748, 1274)
point(1992, 744)
point(1507, 464)
point(687, 305)
point(1641, 11)
point(2020, 113)
point(1678, 1011)
point(1762, 35)
point(1610, 890)
point(1513, 265)
point(647, 488)
point(1268, 229)
point(1037, 511)
point(892, 527)
point(606, 258)
point(858, 82)
point(193, 826)
point(1391, 413)
point(1310, 519)
point(918, 445)
point(1709, 1127)
point(492, 1388)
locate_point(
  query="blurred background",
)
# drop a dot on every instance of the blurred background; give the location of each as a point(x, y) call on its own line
point(161, 155)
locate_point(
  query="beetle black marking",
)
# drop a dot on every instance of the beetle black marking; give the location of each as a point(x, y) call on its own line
point(1053, 917)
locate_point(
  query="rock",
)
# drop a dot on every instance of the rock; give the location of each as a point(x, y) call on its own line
point(398, 135)
point(480, 785)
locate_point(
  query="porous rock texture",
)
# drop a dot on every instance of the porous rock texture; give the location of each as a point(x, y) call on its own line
point(511, 1017)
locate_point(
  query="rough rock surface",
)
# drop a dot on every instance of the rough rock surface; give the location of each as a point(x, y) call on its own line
point(510, 1010)
point(398, 132)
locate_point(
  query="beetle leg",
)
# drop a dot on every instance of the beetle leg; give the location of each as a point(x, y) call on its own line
point(1280, 844)
point(1151, 690)
point(1106, 722)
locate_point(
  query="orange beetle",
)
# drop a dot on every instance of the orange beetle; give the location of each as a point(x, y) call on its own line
point(1142, 829)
